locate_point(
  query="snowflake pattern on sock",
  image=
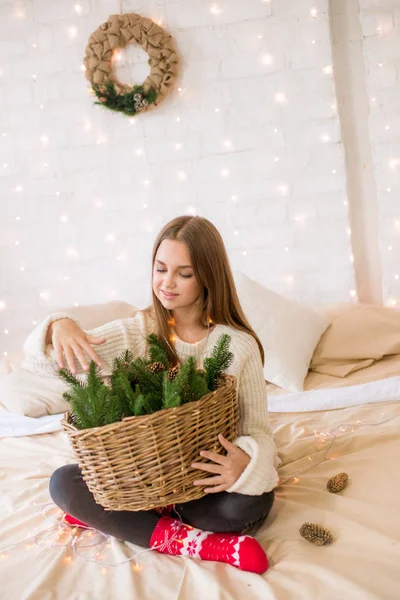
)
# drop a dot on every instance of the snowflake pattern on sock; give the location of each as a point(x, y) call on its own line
point(173, 537)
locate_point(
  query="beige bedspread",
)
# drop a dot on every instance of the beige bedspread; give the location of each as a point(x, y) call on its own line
point(363, 563)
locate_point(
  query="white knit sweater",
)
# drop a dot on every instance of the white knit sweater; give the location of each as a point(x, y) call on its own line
point(255, 436)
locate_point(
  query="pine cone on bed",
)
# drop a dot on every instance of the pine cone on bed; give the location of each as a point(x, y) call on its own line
point(337, 483)
point(316, 534)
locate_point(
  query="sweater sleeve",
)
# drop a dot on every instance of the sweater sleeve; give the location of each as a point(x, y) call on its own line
point(255, 432)
point(120, 335)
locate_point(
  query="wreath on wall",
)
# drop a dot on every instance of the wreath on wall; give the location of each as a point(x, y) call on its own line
point(116, 33)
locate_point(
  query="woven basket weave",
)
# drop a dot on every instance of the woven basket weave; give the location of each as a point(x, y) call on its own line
point(144, 462)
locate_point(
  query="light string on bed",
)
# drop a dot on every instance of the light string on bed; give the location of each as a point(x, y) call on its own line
point(327, 436)
point(76, 535)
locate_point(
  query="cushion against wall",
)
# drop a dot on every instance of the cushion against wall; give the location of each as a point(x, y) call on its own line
point(356, 339)
point(289, 332)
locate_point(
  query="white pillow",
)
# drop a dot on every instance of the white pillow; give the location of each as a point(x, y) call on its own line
point(289, 332)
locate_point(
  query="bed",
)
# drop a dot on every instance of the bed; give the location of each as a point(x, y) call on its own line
point(334, 425)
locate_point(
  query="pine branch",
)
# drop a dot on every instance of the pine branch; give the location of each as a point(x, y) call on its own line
point(157, 351)
point(220, 359)
point(171, 395)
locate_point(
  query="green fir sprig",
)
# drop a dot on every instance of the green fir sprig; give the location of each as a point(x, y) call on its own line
point(130, 103)
point(134, 389)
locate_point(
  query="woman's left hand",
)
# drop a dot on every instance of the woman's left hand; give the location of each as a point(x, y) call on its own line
point(227, 469)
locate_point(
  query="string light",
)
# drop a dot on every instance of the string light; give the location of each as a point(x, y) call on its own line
point(178, 146)
point(72, 32)
point(283, 189)
point(314, 12)
point(181, 175)
point(215, 10)
point(280, 97)
point(266, 59)
point(325, 137)
point(327, 70)
point(234, 198)
point(225, 172)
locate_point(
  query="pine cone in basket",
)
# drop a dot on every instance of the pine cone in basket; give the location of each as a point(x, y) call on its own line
point(316, 534)
point(337, 483)
point(173, 372)
point(156, 367)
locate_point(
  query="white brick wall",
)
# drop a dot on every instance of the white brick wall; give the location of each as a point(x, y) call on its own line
point(380, 22)
point(269, 174)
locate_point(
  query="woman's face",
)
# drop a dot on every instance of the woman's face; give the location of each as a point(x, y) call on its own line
point(174, 282)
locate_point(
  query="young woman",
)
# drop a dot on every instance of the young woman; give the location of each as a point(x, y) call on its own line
point(194, 302)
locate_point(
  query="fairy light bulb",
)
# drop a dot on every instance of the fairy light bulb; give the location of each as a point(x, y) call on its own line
point(78, 8)
point(19, 188)
point(146, 182)
point(283, 189)
point(110, 237)
point(266, 59)
point(280, 97)
point(225, 172)
point(181, 175)
point(325, 138)
point(72, 32)
point(353, 293)
point(72, 252)
point(314, 12)
point(215, 10)
point(327, 70)
point(234, 198)
point(178, 146)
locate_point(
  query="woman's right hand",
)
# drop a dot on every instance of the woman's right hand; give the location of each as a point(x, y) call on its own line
point(70, 340)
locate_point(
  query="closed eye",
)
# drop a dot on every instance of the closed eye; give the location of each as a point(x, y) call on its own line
point(184, 276)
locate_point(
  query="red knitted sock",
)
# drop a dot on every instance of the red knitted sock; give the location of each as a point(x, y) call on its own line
point(170, 536)
point(72, 521)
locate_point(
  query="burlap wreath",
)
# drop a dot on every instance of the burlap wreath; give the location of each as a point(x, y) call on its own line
point(117, 32)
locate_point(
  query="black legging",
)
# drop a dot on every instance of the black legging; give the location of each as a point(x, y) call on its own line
point(222, 512)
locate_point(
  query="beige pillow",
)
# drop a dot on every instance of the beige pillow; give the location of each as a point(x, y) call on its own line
point(37, 395)
point(356, 339)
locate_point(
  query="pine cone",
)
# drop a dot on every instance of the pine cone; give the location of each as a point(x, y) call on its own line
point(220, 382)
point(337, 483)
point(173, 372)
point(156, 367)
point(316, 534)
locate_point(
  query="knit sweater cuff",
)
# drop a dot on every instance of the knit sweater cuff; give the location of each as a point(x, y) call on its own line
point(260, 475)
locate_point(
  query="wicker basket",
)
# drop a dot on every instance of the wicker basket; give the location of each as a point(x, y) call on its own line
point(144, 462)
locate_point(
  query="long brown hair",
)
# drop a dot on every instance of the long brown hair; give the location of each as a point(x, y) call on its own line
point(211, 267)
